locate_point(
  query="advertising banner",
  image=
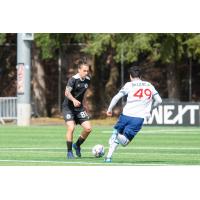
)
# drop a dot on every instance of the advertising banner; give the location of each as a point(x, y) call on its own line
point(179, 113)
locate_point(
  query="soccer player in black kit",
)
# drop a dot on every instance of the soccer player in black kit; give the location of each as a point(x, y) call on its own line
point(73, 109)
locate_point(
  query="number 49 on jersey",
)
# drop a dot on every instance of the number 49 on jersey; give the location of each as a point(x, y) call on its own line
point(143, 93)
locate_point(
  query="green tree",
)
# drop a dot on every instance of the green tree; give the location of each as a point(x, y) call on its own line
point(175, 50)
point(193, 44)
point(106, 50)
point(170, 51)
point(8, 64)
point(46, 51)
point(167, 50)
point(2, 38)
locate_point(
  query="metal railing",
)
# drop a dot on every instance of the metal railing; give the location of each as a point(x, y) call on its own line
point(8, 108)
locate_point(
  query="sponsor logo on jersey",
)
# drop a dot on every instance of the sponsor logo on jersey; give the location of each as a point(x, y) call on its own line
point(86, 85)
point(68, 116)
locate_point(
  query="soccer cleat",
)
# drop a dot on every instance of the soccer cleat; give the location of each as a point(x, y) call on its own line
point(108, 160)
point(70, 155)
point(77, 149)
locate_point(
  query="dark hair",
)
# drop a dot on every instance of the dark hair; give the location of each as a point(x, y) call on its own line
point(135, 71)
point(82, 61)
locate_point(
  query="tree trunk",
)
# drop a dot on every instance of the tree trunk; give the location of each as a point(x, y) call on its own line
point(173, 83)
point(39, 86)
point(94, 92)
point(173, 77)
point(111, 85)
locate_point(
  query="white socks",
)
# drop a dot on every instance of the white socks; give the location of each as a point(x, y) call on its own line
point(113, 137)
point(122, 140)
point(114, 141)
point(112, 148)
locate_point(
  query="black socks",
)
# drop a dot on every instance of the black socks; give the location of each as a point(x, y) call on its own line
point(69, 146)
point(79, 141)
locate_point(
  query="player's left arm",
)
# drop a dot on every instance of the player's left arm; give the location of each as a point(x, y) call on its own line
point(157, 100)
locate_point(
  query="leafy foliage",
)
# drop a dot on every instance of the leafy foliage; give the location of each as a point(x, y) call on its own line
point(130, 44)
point(2, 38)
point(47, 42)
point(170, 47)
point(193, 44)
point(169, 52)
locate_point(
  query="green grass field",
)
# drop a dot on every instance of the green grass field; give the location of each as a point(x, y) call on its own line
point(45, 146)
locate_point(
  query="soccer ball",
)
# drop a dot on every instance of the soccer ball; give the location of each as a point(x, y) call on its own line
point(98, 150)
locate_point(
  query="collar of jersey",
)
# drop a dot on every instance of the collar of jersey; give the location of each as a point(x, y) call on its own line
point(78, 76)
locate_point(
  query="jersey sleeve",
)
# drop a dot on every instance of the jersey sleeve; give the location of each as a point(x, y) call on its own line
point(154, 91)
point(124, 90)
point(70, 84)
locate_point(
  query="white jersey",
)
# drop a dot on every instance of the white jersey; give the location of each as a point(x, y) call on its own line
point(140, 97)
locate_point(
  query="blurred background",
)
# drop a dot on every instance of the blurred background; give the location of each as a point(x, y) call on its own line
point(170, 61)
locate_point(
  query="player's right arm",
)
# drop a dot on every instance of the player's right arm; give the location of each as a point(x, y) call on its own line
point(71, 98)
point(116, 98)
point(113, 102)
point(68, 94)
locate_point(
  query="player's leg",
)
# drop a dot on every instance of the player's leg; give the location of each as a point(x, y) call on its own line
point(113, 144)
point(127, 128)
point(86, 129)
point(113, 136)
point(132, 128)
point(118, 128)
point(69, 138)
point(123, 140)
point(112, 148)
point(113, 141)
point(70, 125)
point(82, 119)
point(117, 138)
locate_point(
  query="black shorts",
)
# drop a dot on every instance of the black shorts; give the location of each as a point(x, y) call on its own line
point(79, 116)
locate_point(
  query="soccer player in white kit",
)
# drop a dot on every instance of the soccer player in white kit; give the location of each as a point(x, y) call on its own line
point(141, 100)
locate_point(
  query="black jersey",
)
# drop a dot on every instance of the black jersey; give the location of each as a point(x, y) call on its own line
point(78, 87)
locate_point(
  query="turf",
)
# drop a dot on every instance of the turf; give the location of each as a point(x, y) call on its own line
point(45, 146)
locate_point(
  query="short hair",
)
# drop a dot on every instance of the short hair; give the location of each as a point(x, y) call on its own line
point(135, 71)
point(82, 61)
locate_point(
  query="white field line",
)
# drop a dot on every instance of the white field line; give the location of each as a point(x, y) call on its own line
point(178, 131)
point(89, 148)
point(84, 163)
point(119, 153)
